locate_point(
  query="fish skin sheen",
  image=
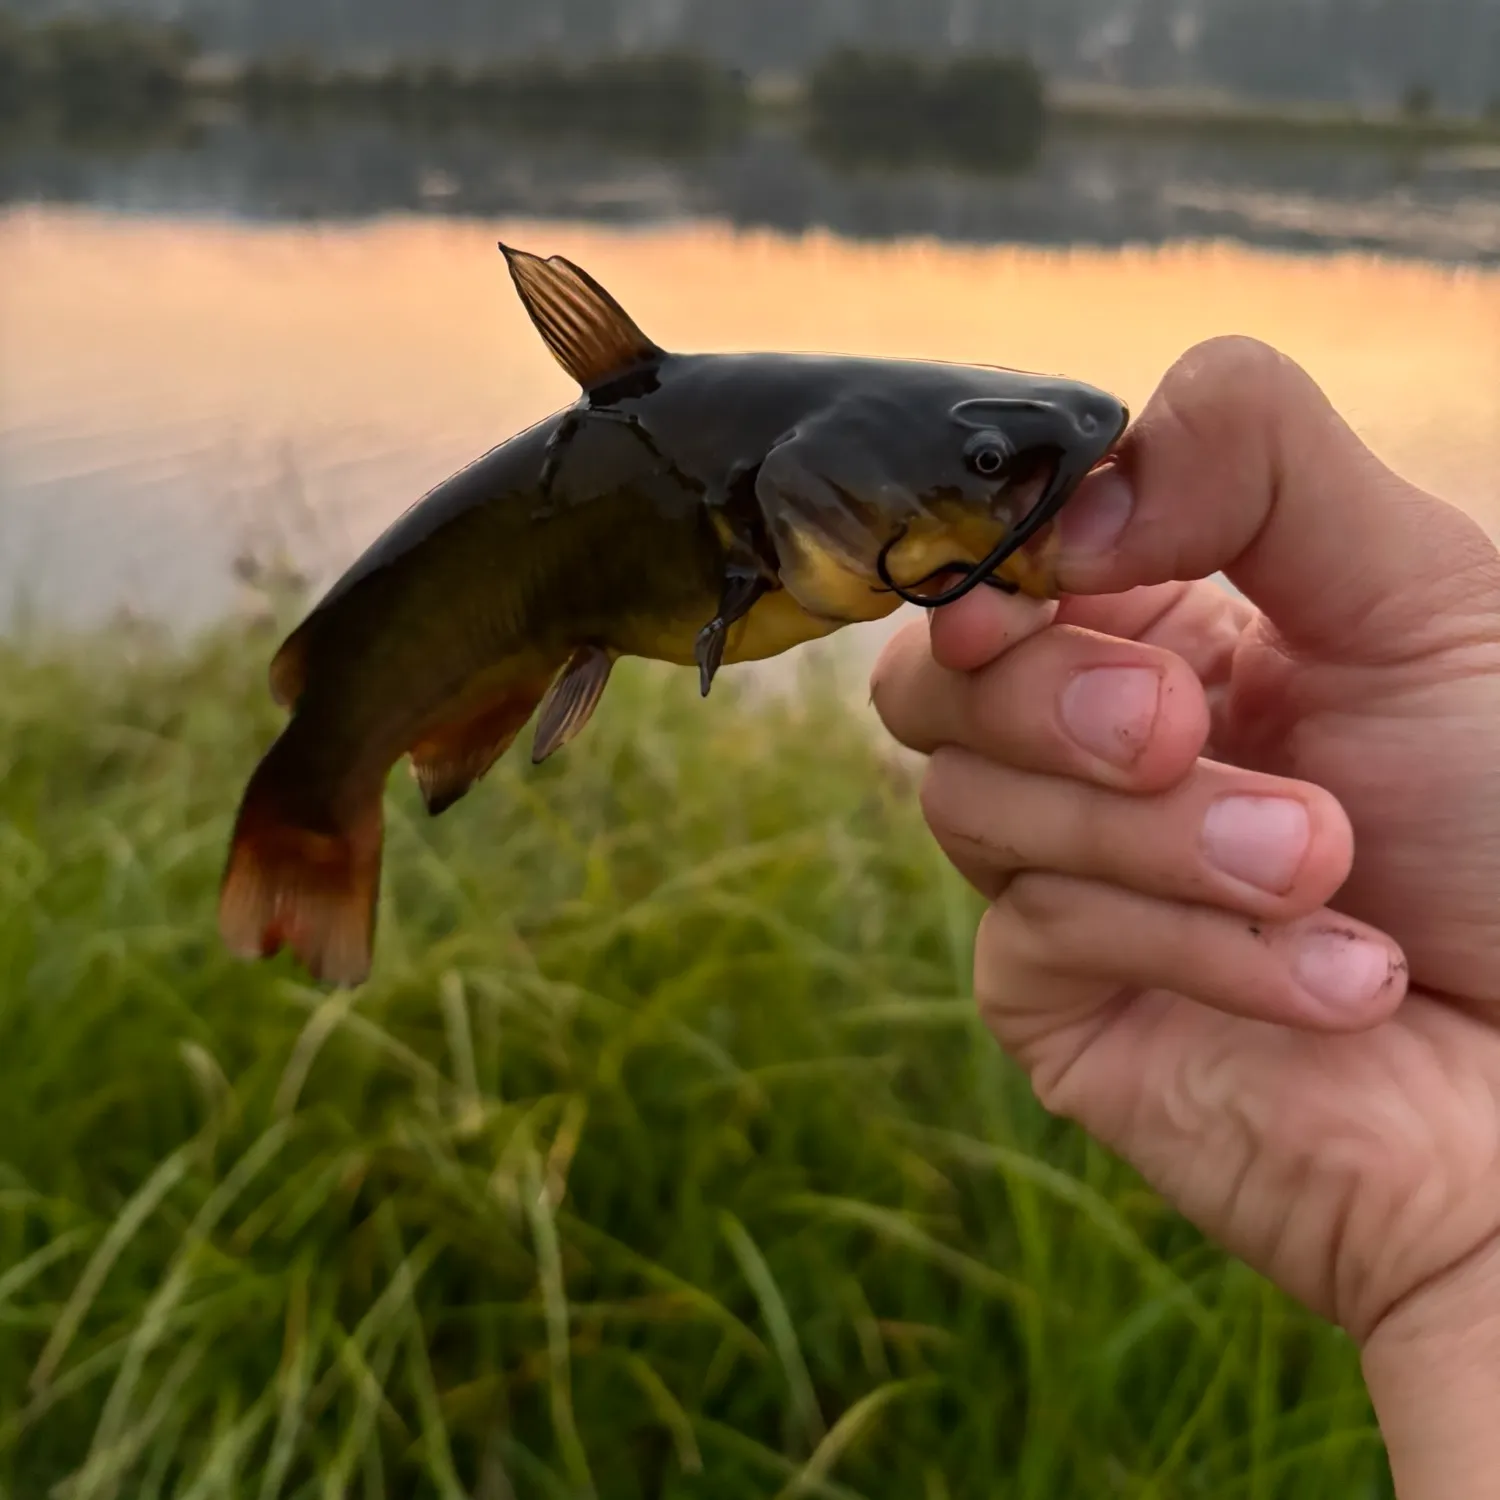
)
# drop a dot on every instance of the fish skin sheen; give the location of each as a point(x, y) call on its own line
point(696, 509)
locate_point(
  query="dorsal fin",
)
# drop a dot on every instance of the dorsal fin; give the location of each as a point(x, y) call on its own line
point(592, 337)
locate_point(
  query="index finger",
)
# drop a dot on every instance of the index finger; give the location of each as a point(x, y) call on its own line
point(1200, 622)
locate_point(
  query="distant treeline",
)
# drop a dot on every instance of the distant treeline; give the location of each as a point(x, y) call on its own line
point(664, 100)
point(93, 71)
point(983, 112)
point(987, 113)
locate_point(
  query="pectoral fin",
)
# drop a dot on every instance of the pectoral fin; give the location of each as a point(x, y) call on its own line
point(742, 588)
point(571, 700)
point(591, 336)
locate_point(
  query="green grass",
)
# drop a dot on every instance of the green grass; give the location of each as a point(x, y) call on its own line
point(662, 1155)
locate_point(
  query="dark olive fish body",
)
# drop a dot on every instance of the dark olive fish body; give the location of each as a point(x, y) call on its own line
point(690, 508)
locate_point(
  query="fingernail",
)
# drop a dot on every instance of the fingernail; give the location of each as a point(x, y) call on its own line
point(1341, 969)
point(1260, 840)
point(1109, 711)
point(1091, 522)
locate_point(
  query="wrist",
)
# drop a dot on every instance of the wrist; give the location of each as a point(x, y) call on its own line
point(1433, 1371)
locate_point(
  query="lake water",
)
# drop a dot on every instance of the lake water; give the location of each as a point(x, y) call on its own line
point(253, 335)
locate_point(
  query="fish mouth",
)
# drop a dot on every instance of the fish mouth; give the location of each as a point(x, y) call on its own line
point(1023, 559)
point(981, 544)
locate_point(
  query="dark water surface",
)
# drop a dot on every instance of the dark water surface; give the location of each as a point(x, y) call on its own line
point(247, 333)
point(1092, 187)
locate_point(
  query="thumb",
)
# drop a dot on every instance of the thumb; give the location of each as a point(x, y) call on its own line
point(1240, 465)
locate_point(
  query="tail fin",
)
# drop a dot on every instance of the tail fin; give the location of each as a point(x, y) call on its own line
point(312, 888)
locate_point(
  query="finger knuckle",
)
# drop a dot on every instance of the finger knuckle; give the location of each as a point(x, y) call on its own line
point(1011, 992)
point(942, 805)
point(1230, 362)
point(998, 959)
point(1043, 905)
point(1005, 698)
point(1011, 945)
point(1226, 391)
point(992, 941)
point(891, 676)
point(1088, 836)
point(1054, 1072)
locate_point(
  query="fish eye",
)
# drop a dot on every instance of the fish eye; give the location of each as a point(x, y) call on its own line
point(987, 456)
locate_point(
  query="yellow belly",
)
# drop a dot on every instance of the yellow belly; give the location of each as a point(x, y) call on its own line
point(775, 624)
point(778, 622)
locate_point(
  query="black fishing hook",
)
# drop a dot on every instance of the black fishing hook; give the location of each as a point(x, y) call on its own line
point(1011, 542)
point(907, 591)
point(980, 573)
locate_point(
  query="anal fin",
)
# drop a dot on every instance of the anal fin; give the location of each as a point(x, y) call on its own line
point(449, 759)
point(571, 700)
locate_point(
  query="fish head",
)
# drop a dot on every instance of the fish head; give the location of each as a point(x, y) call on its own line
point(921, 481)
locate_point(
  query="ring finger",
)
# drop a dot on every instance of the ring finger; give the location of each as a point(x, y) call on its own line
point(1054, 949)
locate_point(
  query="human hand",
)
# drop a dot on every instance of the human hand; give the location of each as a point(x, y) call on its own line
point(1219, 990)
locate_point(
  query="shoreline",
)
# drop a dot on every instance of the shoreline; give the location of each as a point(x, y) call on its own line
point(1072, 104)
point(1175, 111)
point(1178, 111)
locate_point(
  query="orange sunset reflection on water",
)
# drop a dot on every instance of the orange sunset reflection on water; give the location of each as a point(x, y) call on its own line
point(163, 383)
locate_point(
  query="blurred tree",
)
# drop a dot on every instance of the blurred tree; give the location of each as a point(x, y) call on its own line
point(1343, 50)
point(1417, 101)
point(984, 112)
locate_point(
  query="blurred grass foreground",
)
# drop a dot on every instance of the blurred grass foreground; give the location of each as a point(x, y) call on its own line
point(662, 1155)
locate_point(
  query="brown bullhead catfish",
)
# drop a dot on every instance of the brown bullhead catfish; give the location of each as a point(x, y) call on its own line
point(698, 509)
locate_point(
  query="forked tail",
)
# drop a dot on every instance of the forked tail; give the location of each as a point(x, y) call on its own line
point(300, 876)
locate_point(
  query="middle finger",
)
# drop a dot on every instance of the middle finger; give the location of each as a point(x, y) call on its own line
point(1245, 842)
